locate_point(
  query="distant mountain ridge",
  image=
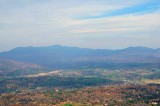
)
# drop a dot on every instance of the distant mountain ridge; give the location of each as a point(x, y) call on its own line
point(63, 56)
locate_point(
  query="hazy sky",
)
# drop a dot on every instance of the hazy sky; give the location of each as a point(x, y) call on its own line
point(108, 24)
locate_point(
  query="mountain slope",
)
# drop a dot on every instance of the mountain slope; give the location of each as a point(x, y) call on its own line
point(63, 57)
point(10, 67)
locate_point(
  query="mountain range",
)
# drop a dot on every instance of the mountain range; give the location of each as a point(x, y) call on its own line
point(63, 57)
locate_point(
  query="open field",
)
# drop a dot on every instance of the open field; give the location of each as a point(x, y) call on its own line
point(150, 81)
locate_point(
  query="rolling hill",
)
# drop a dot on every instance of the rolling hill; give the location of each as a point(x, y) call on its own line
point(10, 67)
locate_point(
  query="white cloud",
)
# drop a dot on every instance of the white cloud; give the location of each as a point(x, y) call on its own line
point(39, 22)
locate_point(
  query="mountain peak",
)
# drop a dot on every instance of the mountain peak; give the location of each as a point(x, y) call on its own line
point(139, 48)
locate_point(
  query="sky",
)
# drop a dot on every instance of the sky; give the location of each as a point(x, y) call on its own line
point(110, 24)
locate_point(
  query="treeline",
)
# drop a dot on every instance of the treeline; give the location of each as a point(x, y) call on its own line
point(10, 84)
point(104, 64)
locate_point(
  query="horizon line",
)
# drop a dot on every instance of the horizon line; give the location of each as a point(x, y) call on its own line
point(79, 47)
